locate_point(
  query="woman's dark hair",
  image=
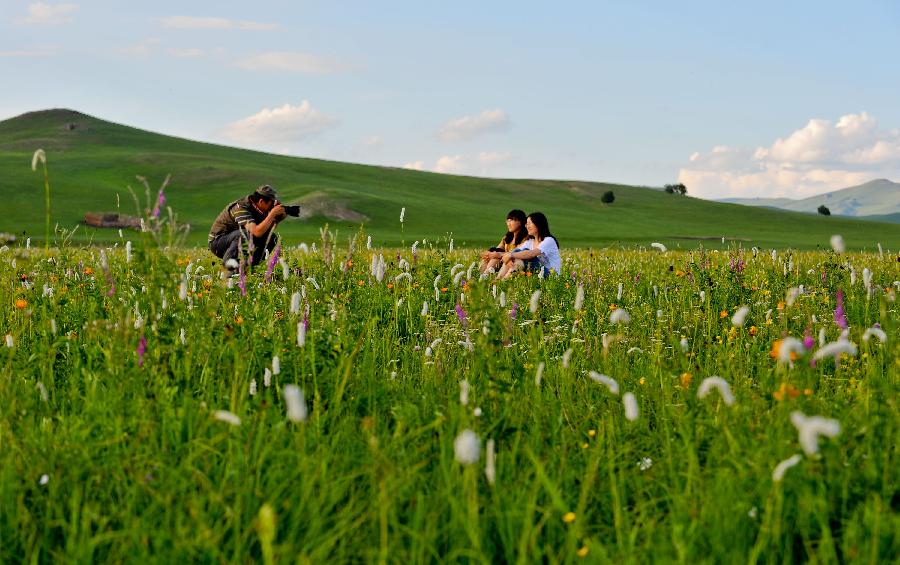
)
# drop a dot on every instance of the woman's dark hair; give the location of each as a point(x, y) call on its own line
point(540, 222)
point(516, 237)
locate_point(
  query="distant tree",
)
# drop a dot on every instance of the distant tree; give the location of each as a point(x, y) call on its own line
point(823, 209)
point(679, 189)
point(608, 197)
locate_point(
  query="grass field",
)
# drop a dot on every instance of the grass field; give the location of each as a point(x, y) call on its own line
point(145, 416)
point(92, 166)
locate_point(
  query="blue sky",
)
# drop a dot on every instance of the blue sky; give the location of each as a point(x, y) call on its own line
point(766, 99)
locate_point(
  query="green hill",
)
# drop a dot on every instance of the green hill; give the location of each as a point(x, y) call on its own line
point(92, 162)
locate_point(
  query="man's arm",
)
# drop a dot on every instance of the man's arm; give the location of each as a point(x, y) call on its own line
point(275, 215)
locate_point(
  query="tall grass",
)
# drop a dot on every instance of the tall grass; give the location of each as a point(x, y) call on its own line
point(112, 455)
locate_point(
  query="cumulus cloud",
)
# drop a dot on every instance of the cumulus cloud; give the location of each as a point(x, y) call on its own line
point(450, 164)
point(42, 13)
point(189, 22)
point(279, 126)
point(289, 61)
point(38, 52)
point(415, 165)
point(820, 157)
point(468, 127)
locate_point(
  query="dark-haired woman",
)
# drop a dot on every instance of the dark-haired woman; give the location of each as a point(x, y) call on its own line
point(515, 235)
point(539, 254)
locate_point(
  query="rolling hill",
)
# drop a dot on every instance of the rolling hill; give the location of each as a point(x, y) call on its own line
point(92, 163)
point(879, 198)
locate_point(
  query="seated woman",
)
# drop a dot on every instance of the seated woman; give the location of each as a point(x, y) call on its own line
point(540, 254)
point(515, 235)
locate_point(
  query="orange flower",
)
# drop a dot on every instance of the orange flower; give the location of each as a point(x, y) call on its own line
point(780, 305)
point(686, 379)
point(361, 282)
point(723, 313)
point(239, 320)
point(612, 307)
point(390, 285)
point(88, 271)
point(349, 262)
point(753, 330)
point(679, 273)
point(444, 289)
point(776, 350)
point(21, 303)
point(807, 392)
point(786, 391)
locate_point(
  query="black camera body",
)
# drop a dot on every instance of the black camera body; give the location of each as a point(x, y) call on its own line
point(292, 210)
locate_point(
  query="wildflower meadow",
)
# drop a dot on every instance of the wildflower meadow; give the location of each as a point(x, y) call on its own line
point(348, 402)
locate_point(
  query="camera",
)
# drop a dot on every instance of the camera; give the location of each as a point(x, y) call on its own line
point(292, 210)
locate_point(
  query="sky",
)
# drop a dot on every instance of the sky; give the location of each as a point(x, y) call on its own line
point(761, 99)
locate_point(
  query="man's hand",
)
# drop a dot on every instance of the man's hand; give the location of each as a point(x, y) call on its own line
point(277, 213)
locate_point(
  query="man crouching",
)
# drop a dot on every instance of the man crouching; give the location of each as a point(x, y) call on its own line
point(248, 222)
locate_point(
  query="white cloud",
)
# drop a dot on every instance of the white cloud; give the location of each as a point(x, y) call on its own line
point(491, 158)
point(190, 53)
point(41, 13)
point(142, 48)
point(373, 141)
point(39, 52)
point(291, 62)
point(820, 157)
point(415, 165)
point(189, 22)
point(468, 127)
point(450, 164)
point(280, 125)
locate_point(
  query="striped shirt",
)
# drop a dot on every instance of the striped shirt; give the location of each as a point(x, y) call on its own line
point(235, 216)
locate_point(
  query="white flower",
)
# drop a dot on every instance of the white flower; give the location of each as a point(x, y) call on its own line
point(9, 341)
point(458, 277)
point(877, 332)
point(684, 344)
point(406, 276)
point(403, 264)
point(369, 242)
point(533, 303)
point(477, 412)
point(790, 345)
point(436, 342)
point(645, 463)
point(503, 299)
point(811, 427)
point(128, 251)
point(835, 348)
point(44, 479)
point(634, 350)
point(719, 384)
point(702, 296)
point(312, 281)
point(267, 377)
point(467, 447)
point(182, 337)
point(579, 297)
point(402, 214)
point(539, 374)
point(619, 295)
point(425, 308)
point(566, 357)
point(631, 406)
point(301, 333)
point(253, 387)
point(660, 246)
point(295, 403)
point(837, 243)
point(780, 469)
point(464, 392)
point(619, 316)
point(490, 469)
point(867, 278)
point(183, 289)
point(276, 365)
point(231, 264)
point(285, 269)
point(610, 383)
point(227, 417)
point(740, 316)
point(791, 295)
point(38, 157)
point(295, 303)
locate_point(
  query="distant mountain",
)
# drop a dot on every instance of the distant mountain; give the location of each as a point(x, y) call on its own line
point(879, 197)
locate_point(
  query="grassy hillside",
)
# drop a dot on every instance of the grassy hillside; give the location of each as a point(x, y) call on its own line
point(93, 163)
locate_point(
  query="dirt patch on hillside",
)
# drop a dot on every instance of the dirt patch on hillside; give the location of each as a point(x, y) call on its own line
point(320, 204)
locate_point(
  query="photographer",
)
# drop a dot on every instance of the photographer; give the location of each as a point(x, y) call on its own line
point(249, 222)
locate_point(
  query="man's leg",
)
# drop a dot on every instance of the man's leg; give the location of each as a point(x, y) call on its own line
point(260, 246)
point(227, 246)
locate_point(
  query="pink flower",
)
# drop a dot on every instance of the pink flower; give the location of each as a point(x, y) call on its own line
point(141, 349)
point(839, 318)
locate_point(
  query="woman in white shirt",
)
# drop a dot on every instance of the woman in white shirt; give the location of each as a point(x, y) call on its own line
point(539, 254)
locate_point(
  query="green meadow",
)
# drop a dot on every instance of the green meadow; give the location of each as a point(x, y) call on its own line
point(93, 163)
point(150, 413)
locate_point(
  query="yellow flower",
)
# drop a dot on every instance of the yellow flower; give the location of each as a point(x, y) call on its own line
point(568, 517)
point(642, 381)
point(753, 330)
point(686, 379)
point(592, 433)
point(612, 307)
point(582, 551)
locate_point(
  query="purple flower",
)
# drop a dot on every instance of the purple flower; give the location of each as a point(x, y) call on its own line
point(461, 314)
point(515, 308)
point(273, 259)
point(242, 278)
point(808, 341)
point(160, 202)
point(839, 318)
point(141, 349)
point(823, 276)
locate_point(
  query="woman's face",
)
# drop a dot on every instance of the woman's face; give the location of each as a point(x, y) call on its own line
point(513, 225)
point(532, 229)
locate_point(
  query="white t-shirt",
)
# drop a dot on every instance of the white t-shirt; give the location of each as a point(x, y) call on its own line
point(549, 256)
